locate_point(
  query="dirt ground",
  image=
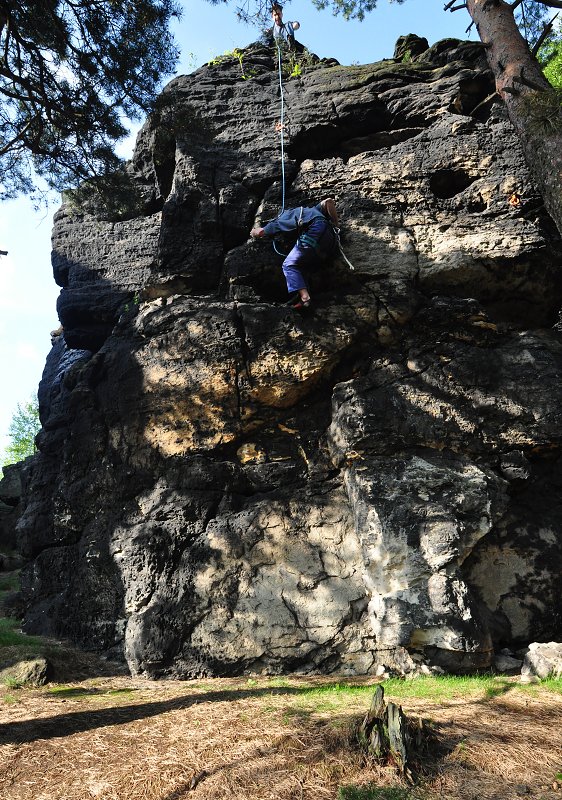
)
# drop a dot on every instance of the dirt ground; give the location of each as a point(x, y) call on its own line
point(120, 738)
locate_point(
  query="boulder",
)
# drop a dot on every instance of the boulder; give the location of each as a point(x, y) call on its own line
point(32, 672)
point(542, 660)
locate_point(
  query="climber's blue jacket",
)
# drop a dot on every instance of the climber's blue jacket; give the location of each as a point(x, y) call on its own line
point(294, 219)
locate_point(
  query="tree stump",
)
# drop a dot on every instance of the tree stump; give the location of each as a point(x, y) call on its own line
point(371, 733)
point(388, 735)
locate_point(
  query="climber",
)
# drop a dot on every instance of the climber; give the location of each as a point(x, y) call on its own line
point(316, 227)
point(284, 31)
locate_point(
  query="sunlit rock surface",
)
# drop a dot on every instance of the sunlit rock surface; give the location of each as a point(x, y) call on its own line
point(227, 486)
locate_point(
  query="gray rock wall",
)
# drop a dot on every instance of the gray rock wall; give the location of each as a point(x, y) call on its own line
point(227, 486)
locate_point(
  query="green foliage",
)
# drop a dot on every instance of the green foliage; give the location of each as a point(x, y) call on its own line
point(550, 59)
point(439, 688)
point(236, 54)
point(553, 70)
point(71, 70)
point(11, 636)
point(444, 687)
point(12, 683)
point(296, 72)
point(110, 196)
point(259, 11)
point(349, 9)
point(553, 685)
point(23, 428)
point(294, 64)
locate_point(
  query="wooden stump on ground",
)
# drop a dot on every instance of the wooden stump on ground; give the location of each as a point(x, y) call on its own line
point(388, 735)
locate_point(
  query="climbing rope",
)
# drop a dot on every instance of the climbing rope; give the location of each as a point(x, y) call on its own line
point(340, 248)
point(282, 132)
point(281, 127)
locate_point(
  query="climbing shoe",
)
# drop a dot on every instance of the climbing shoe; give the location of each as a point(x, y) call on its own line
point(296, 302)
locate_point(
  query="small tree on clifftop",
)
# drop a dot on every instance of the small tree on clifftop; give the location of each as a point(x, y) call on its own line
point(69, 71)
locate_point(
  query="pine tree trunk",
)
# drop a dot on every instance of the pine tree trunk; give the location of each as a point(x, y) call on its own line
point(533, 106)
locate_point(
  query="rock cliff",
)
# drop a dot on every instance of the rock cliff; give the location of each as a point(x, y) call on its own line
point(225, 485)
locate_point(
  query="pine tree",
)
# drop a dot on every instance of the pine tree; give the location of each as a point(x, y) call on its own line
point(70, 70)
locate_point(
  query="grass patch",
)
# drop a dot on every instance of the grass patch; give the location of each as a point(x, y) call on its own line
point(446, 687)
point(10, 581)
point(11, 636)
point(12, 683)
point(82, 693)
point(550, 684)
point(279, 683)
point(290, 714)
point(333, 696)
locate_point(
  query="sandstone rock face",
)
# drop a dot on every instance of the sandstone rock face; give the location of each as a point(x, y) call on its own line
point(226, 486)
point(11, 491)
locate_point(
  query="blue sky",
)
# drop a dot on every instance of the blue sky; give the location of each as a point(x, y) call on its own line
point(27, 291)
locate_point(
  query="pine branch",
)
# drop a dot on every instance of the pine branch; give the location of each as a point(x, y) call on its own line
point(528, 82)
point(546, 32)
point(483, 103)
point(20, 136)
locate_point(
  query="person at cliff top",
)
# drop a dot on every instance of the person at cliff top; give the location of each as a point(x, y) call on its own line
point(284, 31)
point(317, 242)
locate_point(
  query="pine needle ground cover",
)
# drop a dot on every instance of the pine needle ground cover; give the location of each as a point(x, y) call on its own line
point(117, 738)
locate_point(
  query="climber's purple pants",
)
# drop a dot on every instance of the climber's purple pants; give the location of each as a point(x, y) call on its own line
point(298, 257)
point(304, 254)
